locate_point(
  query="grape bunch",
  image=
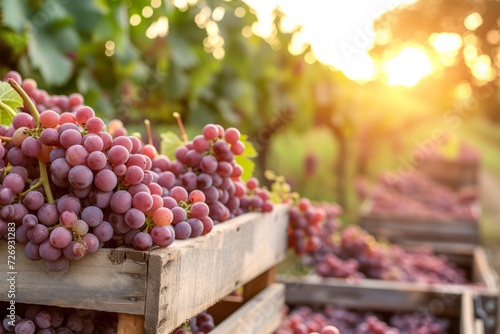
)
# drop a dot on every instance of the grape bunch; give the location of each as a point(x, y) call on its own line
point(50, 319)
point(311, 224)
point(207, 163)
point(333, 320)
point(354, 253)
point(201, 324)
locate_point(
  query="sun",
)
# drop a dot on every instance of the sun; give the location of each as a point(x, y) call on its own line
point(408, 67)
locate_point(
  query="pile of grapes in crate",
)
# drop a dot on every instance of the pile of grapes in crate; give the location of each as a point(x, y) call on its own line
point(38, 319)
point(351, 252)
point(71, 186)
point(337, 320)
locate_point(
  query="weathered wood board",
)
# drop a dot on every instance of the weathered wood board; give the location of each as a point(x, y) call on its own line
point(400, 229)
point(168, 285)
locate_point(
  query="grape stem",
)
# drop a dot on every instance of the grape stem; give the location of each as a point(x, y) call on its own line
point(8, 109)
point(26, 99)
point(181, 126)
point(44, 178)
point(5, 139)
point(148, 131)
point(33, 187)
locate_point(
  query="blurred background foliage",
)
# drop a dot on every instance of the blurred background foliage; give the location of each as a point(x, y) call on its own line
point(308, 121)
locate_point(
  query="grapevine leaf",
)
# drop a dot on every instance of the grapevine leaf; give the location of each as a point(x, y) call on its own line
point(245, 159)
point(9, 96)
point(55, 66)
point(9, 101)
point(169, 143)
point(15, 13)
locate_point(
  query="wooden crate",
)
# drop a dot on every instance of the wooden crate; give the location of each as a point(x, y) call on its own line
point(380, 295)
point(454, 174)
point(406, 229)
point(157, 291)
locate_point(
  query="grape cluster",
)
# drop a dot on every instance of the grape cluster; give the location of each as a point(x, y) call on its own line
point(201, 324)
point(354, 253)
point(334, 320)
point(311, 224)
point(207, 163)
point(55, 320)
point(413, 194)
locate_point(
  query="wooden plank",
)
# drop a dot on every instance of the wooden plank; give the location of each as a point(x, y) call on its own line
point(454, 174)
point(483, 272)
point(478, 326)
point(375, 294)
point(130, 324)
point(190, 276)
point(260, 315)
point(108, 280)
point(467, 314)
point(401, 228)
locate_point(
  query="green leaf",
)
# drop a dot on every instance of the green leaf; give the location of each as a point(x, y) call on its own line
point(245, 159)
point(9, 96)
point(169, 143)
point(87, 14)
point(10, 101)
point(54, 66)
point(14, 14)
point(181, 52)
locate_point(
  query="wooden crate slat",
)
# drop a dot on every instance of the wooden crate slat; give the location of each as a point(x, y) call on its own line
point(187, 279)
point(467, 314)
point(454, 174)
point(94, 282)
point(372, 294)
point(261, 315)
point(482, 271)
point(396, 227)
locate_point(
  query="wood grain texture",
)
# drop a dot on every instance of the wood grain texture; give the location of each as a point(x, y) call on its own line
point(260, 315)
point(192, 275)
point(107, 281)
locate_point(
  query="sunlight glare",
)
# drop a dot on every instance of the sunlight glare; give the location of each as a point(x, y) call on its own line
point(135, 20)
point(340, 32)
point(463, 90)
point(473, 21)
point(446, 42)
point(408, 67)
point(493, 36)
point(482, 70)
